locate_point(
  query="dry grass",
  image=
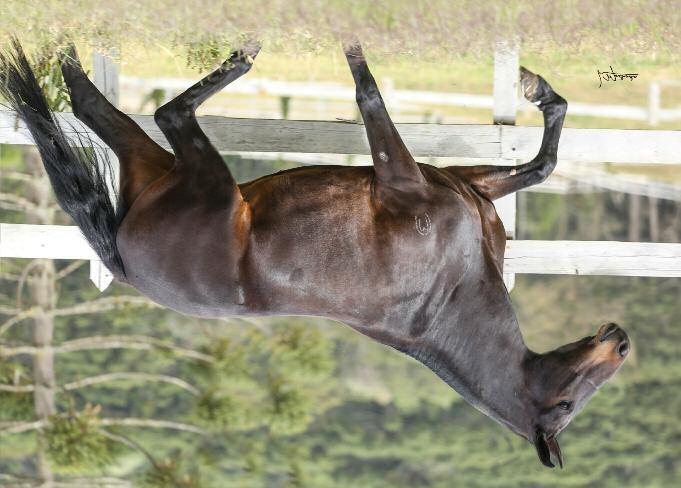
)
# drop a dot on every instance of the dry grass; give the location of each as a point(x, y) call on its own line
point(202, 31)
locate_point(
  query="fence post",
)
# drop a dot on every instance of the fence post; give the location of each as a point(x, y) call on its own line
point(653, 103)
point(654, 219)
point(505, 92)
point(388, 95)
point(505, 95)
point(106, 80)
point(634, 217)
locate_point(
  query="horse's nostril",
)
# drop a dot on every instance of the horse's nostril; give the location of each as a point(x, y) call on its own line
point(610, 329)
point(623, 348)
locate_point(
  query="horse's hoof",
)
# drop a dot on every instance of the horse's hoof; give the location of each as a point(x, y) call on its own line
point(353, 51)
point(529, 83)
point(246, 54)
point(250, 50)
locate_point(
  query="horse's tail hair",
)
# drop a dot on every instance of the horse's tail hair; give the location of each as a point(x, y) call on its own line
point(77, 174)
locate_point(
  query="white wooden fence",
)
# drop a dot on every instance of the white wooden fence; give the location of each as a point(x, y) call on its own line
point(501, 144)
point(487, 142)
point(653, 113)
point(531, 257)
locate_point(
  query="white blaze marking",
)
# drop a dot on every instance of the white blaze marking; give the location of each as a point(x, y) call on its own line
point(383, 156)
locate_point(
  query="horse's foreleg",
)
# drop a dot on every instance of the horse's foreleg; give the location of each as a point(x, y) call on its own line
point(393, 163)
point(496, 181)
point(141, 159)
point(177, 118)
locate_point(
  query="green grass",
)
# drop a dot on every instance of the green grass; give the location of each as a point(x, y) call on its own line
point(430, 29)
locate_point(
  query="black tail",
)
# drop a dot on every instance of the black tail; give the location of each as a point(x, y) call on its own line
point(77, 175)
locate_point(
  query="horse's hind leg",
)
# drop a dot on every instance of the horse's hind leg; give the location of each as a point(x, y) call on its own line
point(393, 163)
point(141, 160)
point(177, 120)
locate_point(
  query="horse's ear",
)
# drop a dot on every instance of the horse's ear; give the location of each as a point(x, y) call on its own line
point(548, 450)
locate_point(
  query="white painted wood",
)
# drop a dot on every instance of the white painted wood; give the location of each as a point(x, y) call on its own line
point(506, 209)
point(106, 80)
point(100, 275)
point(653, 103)
point(509, 281)
point(105, 73)
point(301, 136)
point(14, 131)
point(506, 66)
point(595, 177)
point(594, 258)
point(105, 76)
point(44, 241)
point(424, 140)
point(533, 257)
point(505, 91)
point(597, 145)
point(314, 90)
point(610, 111)
point(340, 92)
point(505, 95)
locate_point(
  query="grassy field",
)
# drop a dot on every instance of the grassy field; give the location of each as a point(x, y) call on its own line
point(432, 45)
point(440, 45)
point(432, 28)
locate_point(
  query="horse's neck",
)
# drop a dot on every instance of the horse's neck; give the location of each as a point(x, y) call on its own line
point(477, 348)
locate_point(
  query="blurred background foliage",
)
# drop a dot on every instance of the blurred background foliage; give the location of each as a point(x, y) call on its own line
point(307, 402)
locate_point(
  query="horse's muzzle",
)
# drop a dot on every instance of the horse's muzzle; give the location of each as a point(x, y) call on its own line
point(614, 333)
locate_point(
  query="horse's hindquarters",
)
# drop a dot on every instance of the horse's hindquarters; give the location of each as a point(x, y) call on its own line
point(182, 249)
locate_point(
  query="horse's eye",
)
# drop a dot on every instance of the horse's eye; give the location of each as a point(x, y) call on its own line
point(565, 405)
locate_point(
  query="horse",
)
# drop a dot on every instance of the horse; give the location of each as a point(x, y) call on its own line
point(408, 254)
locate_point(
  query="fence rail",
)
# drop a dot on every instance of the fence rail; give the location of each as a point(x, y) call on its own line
point(505, 144)
point(530, 257)
point(423, 140)
point(653, 113)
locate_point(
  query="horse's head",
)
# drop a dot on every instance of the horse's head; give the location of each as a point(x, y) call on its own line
point(562, 381)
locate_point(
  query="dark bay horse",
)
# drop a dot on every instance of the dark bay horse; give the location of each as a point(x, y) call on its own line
point(408, 254)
